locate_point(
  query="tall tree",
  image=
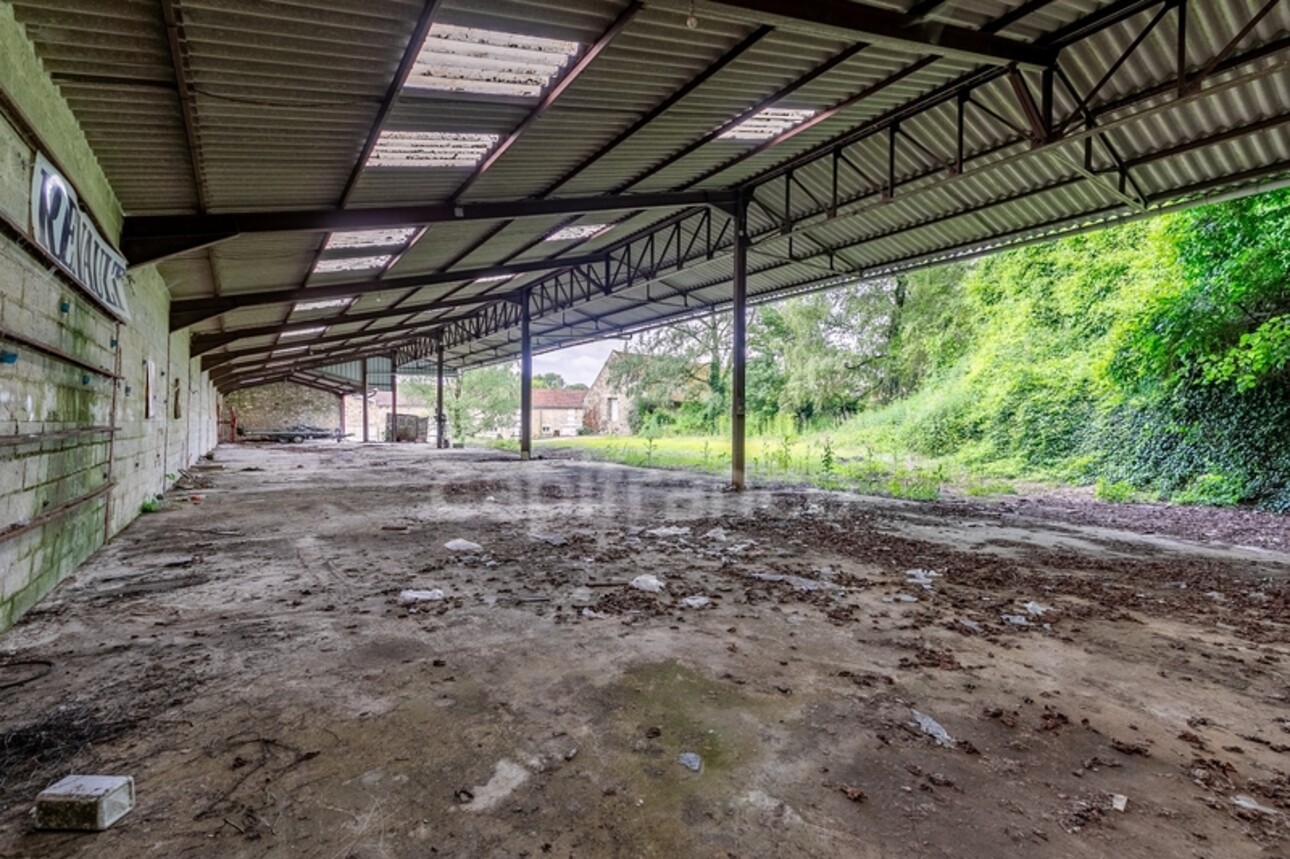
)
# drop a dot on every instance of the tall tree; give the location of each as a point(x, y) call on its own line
point(549, 380)
point(834, 345)
point(478, 402)
point(676, 360)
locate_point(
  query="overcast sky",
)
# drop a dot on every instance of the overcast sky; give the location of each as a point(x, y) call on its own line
point(577, 363)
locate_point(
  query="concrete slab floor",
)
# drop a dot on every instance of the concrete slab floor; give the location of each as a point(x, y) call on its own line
point(245, 657)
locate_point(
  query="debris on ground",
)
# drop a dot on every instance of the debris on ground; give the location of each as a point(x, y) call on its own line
point(1249, 803)
point(413, 596)
point(85, 802)
point(669, 531)
point(794, 699)
point(1131, 749)
point(690, 761)
point(648, 583)
point(799, 583)
point(922, 578)
point(933, 729)
point(462, 546)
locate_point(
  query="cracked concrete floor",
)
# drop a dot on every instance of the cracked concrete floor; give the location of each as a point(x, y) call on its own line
point(246, 658)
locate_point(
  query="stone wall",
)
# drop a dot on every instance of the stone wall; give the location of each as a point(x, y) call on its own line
point(607, 405)
point(96, 416)
point(282, 405)
point(378, 413)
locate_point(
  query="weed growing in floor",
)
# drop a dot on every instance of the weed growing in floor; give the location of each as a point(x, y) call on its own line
point(826, 458)
point(1116, 492)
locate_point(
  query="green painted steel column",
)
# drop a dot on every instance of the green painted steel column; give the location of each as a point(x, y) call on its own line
point(739, 307)
point(526, 381)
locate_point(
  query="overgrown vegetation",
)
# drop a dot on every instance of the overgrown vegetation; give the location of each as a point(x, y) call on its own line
point(479, 403)
point(1148, 360)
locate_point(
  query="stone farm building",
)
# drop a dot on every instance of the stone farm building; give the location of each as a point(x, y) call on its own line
point(607, 402)
point(557, 412)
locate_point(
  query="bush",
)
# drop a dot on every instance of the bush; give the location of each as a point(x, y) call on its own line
point(1220, 490)
point(1117, 492)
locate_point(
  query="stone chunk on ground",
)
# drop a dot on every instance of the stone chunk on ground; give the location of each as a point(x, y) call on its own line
point(85, 802)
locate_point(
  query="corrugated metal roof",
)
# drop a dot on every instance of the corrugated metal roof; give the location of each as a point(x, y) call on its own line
point(284, 94)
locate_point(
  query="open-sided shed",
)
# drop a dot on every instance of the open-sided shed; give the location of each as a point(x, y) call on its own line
point(468, 181)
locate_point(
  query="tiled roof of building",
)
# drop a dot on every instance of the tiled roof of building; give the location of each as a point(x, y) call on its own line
point(552, 398)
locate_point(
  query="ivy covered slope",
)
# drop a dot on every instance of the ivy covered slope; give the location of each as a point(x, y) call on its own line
point(1149, 357)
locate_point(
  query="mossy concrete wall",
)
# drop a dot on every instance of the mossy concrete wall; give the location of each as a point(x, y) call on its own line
point(67, 480)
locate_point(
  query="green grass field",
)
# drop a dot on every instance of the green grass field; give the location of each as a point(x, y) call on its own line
point(815, 459)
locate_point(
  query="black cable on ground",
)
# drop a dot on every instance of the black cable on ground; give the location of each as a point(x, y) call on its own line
point(48, 665)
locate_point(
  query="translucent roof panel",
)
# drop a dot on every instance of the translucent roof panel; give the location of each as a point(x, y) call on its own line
point(488, 62)
point(321, 304)
point(370, 238)
point(771, 122)
point(430, 149)
point(577, 231)
point(305, 332)
point(328, 266)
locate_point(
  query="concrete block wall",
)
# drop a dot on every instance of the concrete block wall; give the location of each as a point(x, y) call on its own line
point(282, 405)
point(67, 483)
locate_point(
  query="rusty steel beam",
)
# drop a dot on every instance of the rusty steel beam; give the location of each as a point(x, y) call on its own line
point(654, 113)
point(779, 95)
point(659, 109)
point(816, 119)
point(218, 359)
point(805, 79)
point(876, 23)
point(924, 9)
point(549, 98)
point(1007, 19)
point(179, 64)
point(147, 238)
point(202, 343)
point(193, 310)
point(406, 64)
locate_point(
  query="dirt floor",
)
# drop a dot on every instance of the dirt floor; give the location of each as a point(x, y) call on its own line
point(869, 678)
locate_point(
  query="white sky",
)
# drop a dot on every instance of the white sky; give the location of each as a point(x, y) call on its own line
point(577, 363)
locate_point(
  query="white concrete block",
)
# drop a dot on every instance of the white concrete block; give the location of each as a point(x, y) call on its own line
point(89, 802)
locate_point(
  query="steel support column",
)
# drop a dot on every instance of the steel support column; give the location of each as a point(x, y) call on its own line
point(440, 421)
point(526, 381)
point(362, 372)
point(739, 288)
point(341, 435)
point(394, 398)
